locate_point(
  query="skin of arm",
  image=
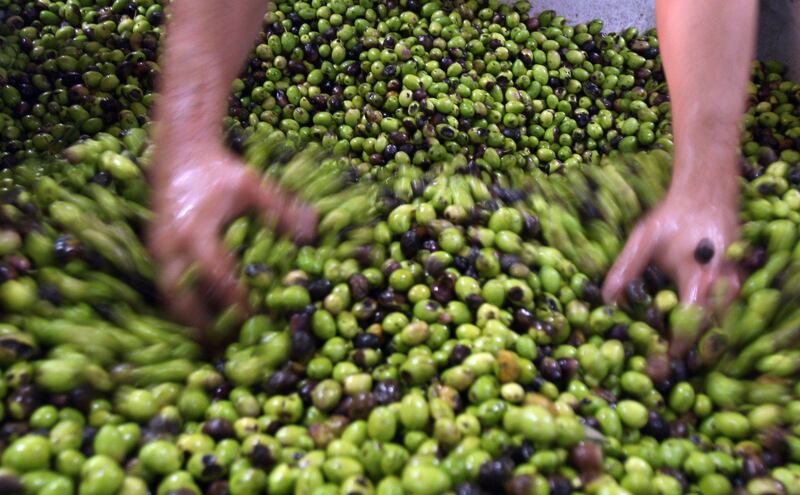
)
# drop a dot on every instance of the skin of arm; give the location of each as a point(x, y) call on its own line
point(198, 184)
point(707, 49)
point(206, 47)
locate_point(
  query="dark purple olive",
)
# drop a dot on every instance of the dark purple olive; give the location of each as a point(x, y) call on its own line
point(219, 428)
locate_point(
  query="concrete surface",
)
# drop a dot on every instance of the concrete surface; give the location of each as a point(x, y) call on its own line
point(779, 35)
point(779, 32)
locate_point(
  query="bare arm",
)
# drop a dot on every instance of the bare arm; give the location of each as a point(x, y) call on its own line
point(207, 42)
point(198, 184)
point(707, 47)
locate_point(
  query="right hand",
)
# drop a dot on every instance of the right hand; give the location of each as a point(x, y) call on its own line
point(670, 236)
point(198, 188)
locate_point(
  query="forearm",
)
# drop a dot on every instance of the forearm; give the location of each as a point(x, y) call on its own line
point(206, 45)
point(707, 48)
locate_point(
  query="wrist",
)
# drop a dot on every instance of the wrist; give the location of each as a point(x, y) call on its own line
point(178, 148)
point(703, 189)
point(707, 169)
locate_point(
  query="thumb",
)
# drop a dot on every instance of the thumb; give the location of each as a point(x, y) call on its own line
point(630, 263)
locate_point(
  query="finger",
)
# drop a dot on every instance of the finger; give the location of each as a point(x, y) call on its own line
point(162, 243)
point(172, 272)
point(725, 288)
point(695, 288)
point(658, 367)
point(696, 285)
point(291, 215)
point(183, 303)
point(708, 285)
point(693, 283)
point(218, 267)
point(630, 263)
point(189, 308)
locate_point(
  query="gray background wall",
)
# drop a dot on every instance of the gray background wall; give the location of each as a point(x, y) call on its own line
point(779, 34)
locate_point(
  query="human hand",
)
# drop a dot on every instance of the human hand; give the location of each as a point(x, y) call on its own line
point(686, 236)
point(198, 189)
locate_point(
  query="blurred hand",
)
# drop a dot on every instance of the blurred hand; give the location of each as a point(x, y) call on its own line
point(198, 189)
point(686, 236)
